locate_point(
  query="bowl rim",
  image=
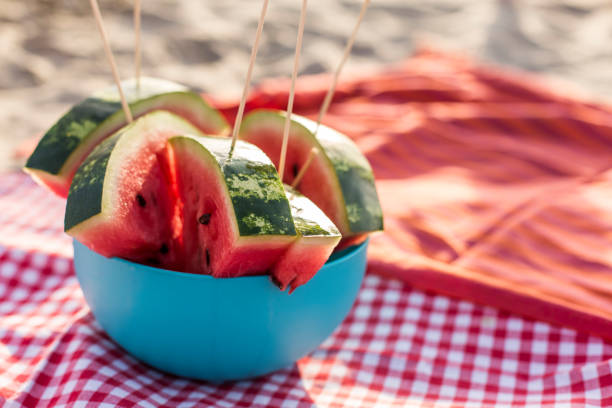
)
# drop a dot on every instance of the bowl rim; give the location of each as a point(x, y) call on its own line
point(343, 255)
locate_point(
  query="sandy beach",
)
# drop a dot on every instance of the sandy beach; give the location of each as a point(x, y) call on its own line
point(52, 55)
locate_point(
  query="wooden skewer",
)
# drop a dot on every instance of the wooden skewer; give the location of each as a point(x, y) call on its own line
point(137, 49)
point(347, 52)
point(111, 59)
point(240, 113)
point(302, 171)
point(330, 93)
point(296, 63)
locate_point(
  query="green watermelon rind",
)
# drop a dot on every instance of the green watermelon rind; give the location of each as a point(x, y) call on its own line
point(353, 174)
point(309, 220)
point(252, 184)
point(85, 195)
point(60, 149)
point(91, 195)
point(317, 237)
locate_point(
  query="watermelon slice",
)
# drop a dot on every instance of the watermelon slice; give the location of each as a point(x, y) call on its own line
point(339, 180)
point(317, 237)
point(236, 219)
point(122, 201)
point(68, 142)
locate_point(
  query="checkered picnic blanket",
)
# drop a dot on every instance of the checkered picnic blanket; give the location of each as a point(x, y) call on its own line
point(398, 347)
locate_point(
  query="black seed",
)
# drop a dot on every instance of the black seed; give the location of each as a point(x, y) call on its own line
point(295, 170)
point(152, 261)
point(276, 282)
point(207, 258)
point(141, 200)
point(164, 249)
point(204, 219)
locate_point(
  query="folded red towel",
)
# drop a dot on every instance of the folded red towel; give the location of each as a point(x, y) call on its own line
point(495, 188)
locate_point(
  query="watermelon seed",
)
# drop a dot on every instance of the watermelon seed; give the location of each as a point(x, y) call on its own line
point(204, 219)
point(153, 261)
point(276, 282)
point(164, 249)
point(141, 200)
point(295, 170)
point(207, 258)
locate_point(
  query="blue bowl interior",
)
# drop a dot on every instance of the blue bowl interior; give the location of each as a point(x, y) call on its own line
point(213, 329)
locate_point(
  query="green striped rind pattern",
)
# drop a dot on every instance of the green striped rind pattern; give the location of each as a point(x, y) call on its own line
point(352, 169)
point(255, 190)
point(356, 180)
point(67, 134)
point(86, 195)
point(78, 123)
point(309, 220)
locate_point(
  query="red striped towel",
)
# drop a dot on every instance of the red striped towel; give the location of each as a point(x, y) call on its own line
point(494, 188)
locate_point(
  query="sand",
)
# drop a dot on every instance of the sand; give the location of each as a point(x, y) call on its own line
point(52, 56)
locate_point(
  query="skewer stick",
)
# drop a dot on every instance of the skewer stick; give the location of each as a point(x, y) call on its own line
point(111, 59)
point(347, 52)
point(330, 93)
point(302, 171)
point(137, 49)
point(296, 63)
point(240, 113)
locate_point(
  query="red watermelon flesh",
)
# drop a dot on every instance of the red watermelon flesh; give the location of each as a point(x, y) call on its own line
point(68, 142)
point(213, 240)
point(145, 216)
point(339, 179)
point(317, 237)
point(319, 181)
point(350, 241)
point(123, 202)
point(301, 262)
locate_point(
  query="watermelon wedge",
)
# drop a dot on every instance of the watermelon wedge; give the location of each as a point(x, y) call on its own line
point(62, 149)
point(122, 201)
point(317, 237)
point(236, 219)
point(339, 180)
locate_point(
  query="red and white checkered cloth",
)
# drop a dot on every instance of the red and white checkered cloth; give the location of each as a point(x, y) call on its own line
point(398, 347)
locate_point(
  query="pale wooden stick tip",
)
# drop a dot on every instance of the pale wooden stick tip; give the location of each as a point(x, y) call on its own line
point(111, 60)
point(296, 63)
point(137, 42)
point(347, 51)
point(245, 91)
point(311, 155)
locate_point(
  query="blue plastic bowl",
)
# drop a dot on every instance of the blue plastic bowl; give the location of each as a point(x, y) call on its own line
point(200, 327)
